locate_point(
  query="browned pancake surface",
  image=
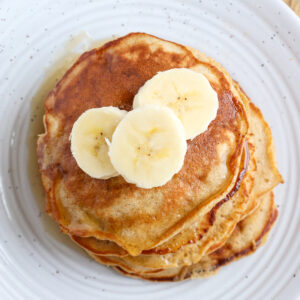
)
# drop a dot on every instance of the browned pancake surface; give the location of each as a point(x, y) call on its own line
point(114, 209)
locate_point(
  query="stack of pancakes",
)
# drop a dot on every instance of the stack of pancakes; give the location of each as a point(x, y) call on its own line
point(219, 207)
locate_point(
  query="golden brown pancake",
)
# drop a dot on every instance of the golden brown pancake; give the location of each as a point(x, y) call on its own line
point(134, 218)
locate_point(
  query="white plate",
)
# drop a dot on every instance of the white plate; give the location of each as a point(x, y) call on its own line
point(257, 41)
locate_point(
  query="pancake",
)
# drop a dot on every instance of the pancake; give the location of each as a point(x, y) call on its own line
point(266, 177)
point(136, 219)
point(247, 237)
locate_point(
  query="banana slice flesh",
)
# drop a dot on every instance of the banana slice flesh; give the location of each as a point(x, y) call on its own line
point(148, 146)
point(188, 93)
point(89, 140)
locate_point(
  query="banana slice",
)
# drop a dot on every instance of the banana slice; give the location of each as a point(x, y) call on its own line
point(89, 140)
point(148, 146)
point(188, 93)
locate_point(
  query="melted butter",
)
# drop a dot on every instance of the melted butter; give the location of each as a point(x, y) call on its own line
point(61, 63)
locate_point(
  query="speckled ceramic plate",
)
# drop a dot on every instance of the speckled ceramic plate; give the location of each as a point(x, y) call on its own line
point(257, 41)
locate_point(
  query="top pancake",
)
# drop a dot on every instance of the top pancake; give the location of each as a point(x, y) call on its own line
point(135, 218)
